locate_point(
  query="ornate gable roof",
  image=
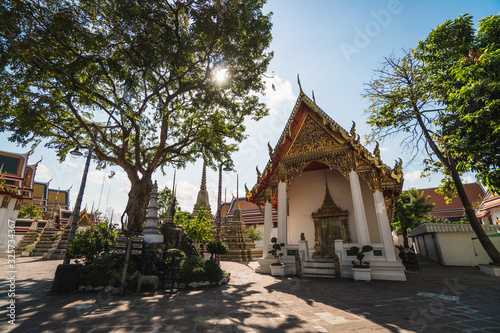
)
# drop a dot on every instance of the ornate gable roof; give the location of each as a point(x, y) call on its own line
point(312, 139)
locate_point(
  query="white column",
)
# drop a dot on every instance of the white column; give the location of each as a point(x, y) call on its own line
point(268, 228)
point(282, 213)
point(383, 226)
point(359, 209)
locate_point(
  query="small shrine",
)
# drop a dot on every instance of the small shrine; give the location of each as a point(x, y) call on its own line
point(234, 234)
point(330, 194)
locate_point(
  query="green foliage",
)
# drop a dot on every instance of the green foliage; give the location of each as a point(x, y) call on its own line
point(106, 269)
point(179, 254)
point(199, 228)
point(276, 248)
point(444, 97)
point(164, 201)
point(429, 218)
point(197, 269)
point(360, 254)
point(464, 67)
point(135, 79)
point(109, 231)
point(217, 248)
point(87, 244)
point(410, 211)
point(255, 234)
point(29, 211)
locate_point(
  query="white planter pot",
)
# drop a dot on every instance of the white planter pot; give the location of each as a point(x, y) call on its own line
point(490, 269)
point(278, 270)
point(362, 274)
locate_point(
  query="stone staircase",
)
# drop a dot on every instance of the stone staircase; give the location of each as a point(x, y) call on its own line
point(323, 268)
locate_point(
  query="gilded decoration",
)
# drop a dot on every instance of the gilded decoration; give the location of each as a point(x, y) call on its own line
point(311, 139)
point(319, 138)
point(330, 223)
point(5, 201)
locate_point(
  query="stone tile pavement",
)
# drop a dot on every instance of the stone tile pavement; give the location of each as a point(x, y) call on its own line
point(434, 299)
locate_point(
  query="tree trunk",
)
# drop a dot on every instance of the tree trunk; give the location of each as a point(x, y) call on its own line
point(488, 246)
point(405, 237)
point(449, 164)
point(138, 200)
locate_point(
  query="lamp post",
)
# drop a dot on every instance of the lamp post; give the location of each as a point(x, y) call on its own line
point(76, 211)
point(227, 167)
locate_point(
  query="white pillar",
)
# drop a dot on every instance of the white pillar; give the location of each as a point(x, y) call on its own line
point(268, 228)
point(282, 213)
point(359, 209)
point(383, 226)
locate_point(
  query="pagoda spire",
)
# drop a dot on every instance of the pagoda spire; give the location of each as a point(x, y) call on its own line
point(202, 198)
point(203, 185)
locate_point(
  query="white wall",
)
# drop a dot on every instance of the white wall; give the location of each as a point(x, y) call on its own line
point(458, 249)
point(306, 196)
point(7, 214)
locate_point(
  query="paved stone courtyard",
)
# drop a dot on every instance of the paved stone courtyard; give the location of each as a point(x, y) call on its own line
point(435, 299)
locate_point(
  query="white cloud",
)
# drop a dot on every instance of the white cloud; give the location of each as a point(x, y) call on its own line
point(43, 174)
point(468, 180)
point(413, 176)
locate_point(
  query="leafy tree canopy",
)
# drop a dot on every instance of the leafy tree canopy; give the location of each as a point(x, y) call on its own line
point(136, 79)
point(198, 228)
point(425, 95)
point(410, 211)
point(464, 65)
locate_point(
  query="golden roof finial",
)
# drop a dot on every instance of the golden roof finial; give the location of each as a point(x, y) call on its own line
point(300, 86)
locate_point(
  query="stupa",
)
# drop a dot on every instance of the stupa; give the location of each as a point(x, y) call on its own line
point(151, 231)
point(58, 250)
point(241, 247)
point(44, 242)
point(202, 199)
point(29, 238)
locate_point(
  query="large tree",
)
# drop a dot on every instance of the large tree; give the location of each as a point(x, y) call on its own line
point(135, 79)
point(410, 211)
point(408, 98)
point(465, 66)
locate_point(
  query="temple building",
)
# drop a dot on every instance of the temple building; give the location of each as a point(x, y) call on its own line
point(330, 194)
point(16, 185)
point(53, 203)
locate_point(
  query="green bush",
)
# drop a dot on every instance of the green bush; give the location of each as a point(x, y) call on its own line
point(87, 245)
point(217, 248)
point(107, 270)
point(196, 269)
point(179, 254)
point(255, 234)
point(213, 271)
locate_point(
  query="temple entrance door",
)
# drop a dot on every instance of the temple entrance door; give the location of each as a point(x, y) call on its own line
point(330, 223)
point(330, 230)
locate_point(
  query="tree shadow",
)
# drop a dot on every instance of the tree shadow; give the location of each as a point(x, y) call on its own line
point(262, 303)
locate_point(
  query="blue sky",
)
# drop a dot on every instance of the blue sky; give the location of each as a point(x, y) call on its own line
point(334, 46)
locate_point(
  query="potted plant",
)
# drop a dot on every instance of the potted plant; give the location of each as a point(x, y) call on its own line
point(361, 270)
point(277, 268)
